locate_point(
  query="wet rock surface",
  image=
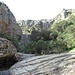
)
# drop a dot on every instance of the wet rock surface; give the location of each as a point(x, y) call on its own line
point(53, 64)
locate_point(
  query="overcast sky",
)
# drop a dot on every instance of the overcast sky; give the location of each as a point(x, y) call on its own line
point(38, 9)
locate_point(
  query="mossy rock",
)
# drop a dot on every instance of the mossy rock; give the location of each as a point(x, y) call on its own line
point(7, 50)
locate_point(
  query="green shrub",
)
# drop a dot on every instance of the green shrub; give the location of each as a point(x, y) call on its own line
point(10, 38)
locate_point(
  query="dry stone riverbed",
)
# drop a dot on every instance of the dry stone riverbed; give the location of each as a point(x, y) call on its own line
point(53, 64)
point(4, 70)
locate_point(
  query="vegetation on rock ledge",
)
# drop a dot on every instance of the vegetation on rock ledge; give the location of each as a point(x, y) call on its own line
point(13, 40)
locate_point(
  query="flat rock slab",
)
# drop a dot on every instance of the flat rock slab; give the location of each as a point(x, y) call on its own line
point(53, 64)
point(7, 50)
point(4, 72)
point(22, 56)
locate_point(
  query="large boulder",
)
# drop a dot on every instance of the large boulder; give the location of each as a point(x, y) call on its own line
point(8, 23)
point(7, 50)
point(53, 64)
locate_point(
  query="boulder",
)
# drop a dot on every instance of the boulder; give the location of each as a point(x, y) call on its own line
point(53, 64)
point(7, 50)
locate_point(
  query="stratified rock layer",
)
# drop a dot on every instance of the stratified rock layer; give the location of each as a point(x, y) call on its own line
point(22, 56)
point(53, 64)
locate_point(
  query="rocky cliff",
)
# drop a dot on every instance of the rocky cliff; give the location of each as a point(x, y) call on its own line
point(65, 13)
point(8, 23)
point(8, 26)
point(44, 24)
point(28, 25)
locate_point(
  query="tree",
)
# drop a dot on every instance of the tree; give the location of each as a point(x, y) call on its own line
point(45, 35)
point(69, 36)
point(35, 35)
point(60, 27)
point(30, 48)
point(71, 19)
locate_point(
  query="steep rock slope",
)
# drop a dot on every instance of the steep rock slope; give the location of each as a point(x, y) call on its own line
point(8, 26)
point(28, 25)
point(8, 23)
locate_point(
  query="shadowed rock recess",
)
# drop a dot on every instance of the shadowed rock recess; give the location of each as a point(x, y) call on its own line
point(53, 64)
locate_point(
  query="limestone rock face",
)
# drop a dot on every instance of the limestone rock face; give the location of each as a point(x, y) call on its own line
point(65, 13)
point(53, 64)
point(8, 23)
point(7, 49)
point(37, 24)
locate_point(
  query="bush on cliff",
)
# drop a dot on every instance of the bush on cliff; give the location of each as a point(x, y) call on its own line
point(12, 39)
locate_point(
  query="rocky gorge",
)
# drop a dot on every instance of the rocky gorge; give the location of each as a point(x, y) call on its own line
point(13, 62)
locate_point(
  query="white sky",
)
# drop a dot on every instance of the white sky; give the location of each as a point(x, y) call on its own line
point(38, 9)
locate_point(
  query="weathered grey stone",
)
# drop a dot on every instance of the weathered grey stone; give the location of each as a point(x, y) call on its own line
point(6, 72)
point(8, 23)
point(54, 64)
point(7, 50)
point(37, 24)
point(22, 56)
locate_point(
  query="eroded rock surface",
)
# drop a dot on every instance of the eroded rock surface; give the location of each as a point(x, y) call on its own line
point(22, 56)
point(8, 23)
point(7, 50)
point(53, 64)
